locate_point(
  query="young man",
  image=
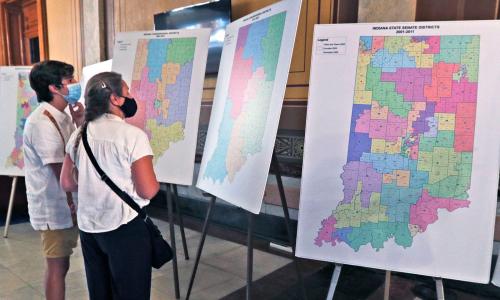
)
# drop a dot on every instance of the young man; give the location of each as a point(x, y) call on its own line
point(46, 132)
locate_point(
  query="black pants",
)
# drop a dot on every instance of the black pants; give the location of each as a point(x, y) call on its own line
point(118, 263)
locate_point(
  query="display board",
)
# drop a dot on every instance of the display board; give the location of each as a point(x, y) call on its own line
point(91, 70)
point(17, 101)
point(165, 72)
point(401, 149)
point(247, 104)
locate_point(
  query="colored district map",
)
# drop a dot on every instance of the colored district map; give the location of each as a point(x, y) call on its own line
point(26, 103)
point(246, 107)
point(161, 80)
point(411, 139)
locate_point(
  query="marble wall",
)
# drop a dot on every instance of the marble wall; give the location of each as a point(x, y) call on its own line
point(386, 10)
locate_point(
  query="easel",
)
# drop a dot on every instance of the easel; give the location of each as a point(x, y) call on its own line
point(250, 219)
point(173, 188)
point(11, 205)
point(387, 285)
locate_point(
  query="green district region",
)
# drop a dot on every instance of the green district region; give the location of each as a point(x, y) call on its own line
point(353, 214)
point(385, 93)
point(161, 137)
point(181, 50)
point(271, 44)
point(449, 171)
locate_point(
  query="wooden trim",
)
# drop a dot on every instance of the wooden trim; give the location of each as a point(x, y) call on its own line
point(3, 36)
point(460, 9)
point(497, 10)
point(43, 43)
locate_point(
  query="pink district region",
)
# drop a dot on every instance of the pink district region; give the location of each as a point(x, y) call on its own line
point(145, 92)
point(424, 212)
point(356, 171)
point(242, 72)
point(389, 129)
point(327, 232)
point(410, 82)
point(434, 43)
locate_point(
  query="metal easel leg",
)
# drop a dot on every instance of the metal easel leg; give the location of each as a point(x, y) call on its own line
point(291, 239)
point(249, 256)
point(202, 243)
point(181, 222)
point(11, 205)
point(172, 242)
point(334, 282)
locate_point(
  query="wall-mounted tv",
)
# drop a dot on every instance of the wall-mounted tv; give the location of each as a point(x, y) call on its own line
point(212, 14)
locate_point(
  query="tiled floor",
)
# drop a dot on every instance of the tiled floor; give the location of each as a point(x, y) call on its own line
point(222, 268)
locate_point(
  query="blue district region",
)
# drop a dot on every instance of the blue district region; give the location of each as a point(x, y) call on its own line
point(178, 94)
point(390, 61)
point(157, 56)
point(253, 47)
point(216, 166)
point(366, 43)
point(359, 144)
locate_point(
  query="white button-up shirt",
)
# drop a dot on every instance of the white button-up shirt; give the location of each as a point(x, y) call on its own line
point(115, 145)
point(47, 203)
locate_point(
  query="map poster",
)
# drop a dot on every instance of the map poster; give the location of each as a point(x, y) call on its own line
point(401, 152)
point(89, 71)
point(165, 71)
point(250, 88)
point(17, 101)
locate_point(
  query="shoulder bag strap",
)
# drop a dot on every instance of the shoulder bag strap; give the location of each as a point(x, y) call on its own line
point(69, 196)
point(123, 195)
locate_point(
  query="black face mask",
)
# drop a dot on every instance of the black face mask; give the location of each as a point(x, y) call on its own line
point(129, 107)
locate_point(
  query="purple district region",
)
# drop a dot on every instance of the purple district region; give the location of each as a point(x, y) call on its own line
point(328, 232)
point(355, 171)
point(421, 125)
point(178, 94)
point(359, 143)
point(410, 82)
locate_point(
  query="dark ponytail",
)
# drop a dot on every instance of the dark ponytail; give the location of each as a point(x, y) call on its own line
point(97, 98)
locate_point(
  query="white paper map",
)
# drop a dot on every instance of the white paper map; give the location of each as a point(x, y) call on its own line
point(18, 100)
point(165, 72)
point(249, 95)
point(401, 154)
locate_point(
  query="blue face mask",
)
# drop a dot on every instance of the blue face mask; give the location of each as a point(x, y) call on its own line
point(74, 93)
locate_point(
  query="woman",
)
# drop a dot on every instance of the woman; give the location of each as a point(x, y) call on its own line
point(115, 241)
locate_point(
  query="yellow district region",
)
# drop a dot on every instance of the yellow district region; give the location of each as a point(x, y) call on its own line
point(362, 97)
point(419, 106)
point(393, 147)
point(378, 146)
point(172, 71)
point(402, 178)
point(161, 137)
point(446, 121)
point(394, 43)
point(379, 113)
point(414, 47)
point(353, 214)
point(140, 59)
point(416, 50)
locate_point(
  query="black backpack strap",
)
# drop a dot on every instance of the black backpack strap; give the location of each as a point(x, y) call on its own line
point(123, 195)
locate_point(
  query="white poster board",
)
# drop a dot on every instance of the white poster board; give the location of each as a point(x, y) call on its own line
point(17, 101)
point(247, 104)
point(91, 70)
point(401, 151)
point(165, 71)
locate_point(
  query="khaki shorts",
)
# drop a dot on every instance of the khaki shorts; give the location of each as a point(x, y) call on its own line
point(59, 243)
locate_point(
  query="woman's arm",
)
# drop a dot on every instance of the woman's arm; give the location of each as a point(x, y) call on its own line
point(144, 178)
point(66, 179)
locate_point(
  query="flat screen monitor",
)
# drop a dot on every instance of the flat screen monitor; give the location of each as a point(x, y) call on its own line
point(213, 14)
